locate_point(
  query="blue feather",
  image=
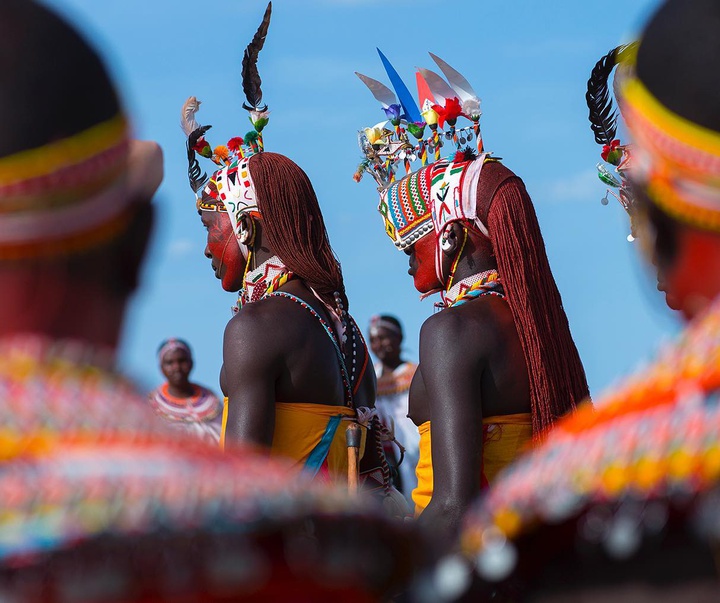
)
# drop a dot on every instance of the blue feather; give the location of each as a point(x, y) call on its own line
point(412, 113)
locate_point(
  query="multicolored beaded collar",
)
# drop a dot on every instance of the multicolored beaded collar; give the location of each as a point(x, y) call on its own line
point(471, 287)
point(260, 282)
point(202, 406)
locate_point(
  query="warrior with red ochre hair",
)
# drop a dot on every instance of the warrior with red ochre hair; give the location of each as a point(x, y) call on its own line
point(498, 365)
point(294, 363)
point(296, 370)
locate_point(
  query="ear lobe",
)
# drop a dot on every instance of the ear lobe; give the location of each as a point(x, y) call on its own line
point(450, 238)
point(246, 230)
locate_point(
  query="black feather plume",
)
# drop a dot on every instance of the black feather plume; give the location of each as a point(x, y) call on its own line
point(250, 77)
point(603, 115)
point(197, 177)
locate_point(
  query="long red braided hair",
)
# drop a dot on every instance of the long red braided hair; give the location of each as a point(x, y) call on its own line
point(556, 374)
point(294, 225)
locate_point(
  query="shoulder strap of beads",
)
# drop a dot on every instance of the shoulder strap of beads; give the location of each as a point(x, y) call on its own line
point(341, 358)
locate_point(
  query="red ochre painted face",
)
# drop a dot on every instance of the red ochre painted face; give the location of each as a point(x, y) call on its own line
point(422, 264)
point(223, 250)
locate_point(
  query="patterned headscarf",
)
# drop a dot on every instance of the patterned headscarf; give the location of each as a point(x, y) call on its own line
point(170, 345)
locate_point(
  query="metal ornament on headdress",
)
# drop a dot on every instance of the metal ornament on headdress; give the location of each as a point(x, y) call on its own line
point(603, 122)
point(230, 188)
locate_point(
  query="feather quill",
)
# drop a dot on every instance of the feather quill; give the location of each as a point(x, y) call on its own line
point(603, 115)
point(459, 84)
point(197, 177)
point(380, 91)
point(251, 81)
point(187, 116)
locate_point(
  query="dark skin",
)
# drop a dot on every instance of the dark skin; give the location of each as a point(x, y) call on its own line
point(471, 366)
point(176, 366)
point(275, 350)
point(385, 344)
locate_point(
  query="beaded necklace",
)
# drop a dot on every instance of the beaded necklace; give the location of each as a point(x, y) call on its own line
point(475, 285)
point(263, 280)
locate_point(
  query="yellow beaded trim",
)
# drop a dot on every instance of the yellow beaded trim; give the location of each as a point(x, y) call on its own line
point(679, 152)
point(637, 96)
point(61, 154)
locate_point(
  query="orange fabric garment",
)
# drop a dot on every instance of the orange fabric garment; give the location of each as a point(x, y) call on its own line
point(504, 438)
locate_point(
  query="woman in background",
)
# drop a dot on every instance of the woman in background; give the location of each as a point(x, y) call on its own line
point(189, 406)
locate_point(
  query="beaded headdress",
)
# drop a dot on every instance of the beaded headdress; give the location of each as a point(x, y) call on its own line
point(603, 122)
point(676, 160)
point(230, 189)
point(74, 193)
point(442, 190)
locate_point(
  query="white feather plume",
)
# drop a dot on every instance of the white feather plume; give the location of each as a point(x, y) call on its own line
point(187, 116)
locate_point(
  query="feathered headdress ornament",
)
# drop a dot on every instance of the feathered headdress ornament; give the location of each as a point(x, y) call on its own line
point(440, 105)
point(441, 190)
point(237, 148)
point(603, 122)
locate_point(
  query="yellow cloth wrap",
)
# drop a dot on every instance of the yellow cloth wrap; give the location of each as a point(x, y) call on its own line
point(299, 428)
point(505, 438)
point(423, 493)
point(224, 423)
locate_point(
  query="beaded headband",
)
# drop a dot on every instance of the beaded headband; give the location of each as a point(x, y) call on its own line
point(230, 189)
point(676, 160)
point(73, 193)
point(433, 196)
point(171, 345)
point(378, 322)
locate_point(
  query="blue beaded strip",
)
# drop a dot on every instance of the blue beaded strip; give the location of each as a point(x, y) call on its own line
point(477, 293)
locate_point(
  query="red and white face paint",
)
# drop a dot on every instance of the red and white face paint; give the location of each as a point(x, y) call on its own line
point(223, 250)
point(422, 264)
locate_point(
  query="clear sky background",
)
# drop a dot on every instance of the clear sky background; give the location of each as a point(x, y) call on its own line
point(528, 60)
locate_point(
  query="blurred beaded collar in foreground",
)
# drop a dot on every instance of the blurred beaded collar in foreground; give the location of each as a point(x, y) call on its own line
point(230, 189)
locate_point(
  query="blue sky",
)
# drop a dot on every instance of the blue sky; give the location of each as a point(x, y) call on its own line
point(528, 60)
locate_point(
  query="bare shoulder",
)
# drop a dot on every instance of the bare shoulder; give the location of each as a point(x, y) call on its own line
point(476, 325)
point(262, 322)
